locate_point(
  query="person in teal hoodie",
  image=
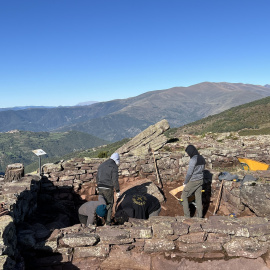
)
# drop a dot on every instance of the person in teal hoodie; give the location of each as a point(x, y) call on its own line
point(93, 211)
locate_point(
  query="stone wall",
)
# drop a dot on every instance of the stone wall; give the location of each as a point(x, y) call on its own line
point(62, 245)
point(20, 200)
point(213, 238)
point(64, 183)
point(133, 245)
point(220, 151)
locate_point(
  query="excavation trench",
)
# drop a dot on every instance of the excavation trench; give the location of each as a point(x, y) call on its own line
point(57, 211)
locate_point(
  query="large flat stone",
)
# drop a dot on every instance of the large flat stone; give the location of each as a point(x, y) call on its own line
point(218, 238)
point(114, 235)
point(224, 225)
point(52, 168)
point(161, 219)
point(151, 137)
point(156, 245)
point(192, 238)
point(80, 239)
point(245, 247)
point(140, 232)
point(198, 247)
point(161, 230)
point(180, 228)
point(99, 251)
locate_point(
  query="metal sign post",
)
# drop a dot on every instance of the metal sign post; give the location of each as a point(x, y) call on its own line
point(39, 153)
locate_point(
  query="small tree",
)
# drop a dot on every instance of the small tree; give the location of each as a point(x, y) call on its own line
point(103, 154)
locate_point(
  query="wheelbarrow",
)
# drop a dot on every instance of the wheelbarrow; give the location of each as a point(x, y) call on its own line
point(252, 165)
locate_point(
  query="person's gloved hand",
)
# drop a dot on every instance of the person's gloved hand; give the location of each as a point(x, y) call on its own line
point(118, 194)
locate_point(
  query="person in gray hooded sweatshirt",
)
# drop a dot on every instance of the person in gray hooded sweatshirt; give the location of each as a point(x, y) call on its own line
point(107, 181)
point(91, 211)
point(193, 181)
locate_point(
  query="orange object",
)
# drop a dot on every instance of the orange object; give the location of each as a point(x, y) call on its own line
point(179, 189)
point(175, 191)
point(252, 165)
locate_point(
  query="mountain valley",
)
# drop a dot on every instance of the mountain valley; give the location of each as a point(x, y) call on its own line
point(125, 118)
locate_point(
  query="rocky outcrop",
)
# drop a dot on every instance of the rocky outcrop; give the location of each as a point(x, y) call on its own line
point(151, 139)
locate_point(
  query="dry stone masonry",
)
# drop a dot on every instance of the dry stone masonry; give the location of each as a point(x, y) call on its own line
point(41, 229)
point(177, 237)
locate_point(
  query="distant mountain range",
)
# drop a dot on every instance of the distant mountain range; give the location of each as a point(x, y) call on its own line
point(252, 118)
point(18, 108)
point(23, 108)
point(86, 103)
point(123, 118)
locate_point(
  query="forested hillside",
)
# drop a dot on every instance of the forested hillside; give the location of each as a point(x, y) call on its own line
point(249, 119)
point(17, 146)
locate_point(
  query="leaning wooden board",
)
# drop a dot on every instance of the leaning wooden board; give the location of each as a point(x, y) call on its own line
point(173, 192)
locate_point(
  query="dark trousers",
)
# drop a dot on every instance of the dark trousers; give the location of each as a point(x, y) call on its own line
point(107, 193)
point(83, 219)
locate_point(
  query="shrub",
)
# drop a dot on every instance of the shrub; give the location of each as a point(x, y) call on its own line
point(103, 154)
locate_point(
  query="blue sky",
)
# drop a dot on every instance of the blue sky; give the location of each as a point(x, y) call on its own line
point(62, 52)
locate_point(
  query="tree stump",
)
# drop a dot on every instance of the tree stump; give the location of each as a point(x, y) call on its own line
point(14, 172)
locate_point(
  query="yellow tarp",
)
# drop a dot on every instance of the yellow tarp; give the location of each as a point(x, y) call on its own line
point(253, 165)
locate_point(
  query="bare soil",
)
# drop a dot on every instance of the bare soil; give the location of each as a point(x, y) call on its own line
point(171, 206)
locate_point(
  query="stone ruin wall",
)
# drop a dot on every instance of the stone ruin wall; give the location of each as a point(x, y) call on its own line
point(172, 164)
point(138, 242)
point(216, 237)
point(135, 245)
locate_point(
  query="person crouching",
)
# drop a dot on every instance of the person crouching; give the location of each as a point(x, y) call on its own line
point(93, 212)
